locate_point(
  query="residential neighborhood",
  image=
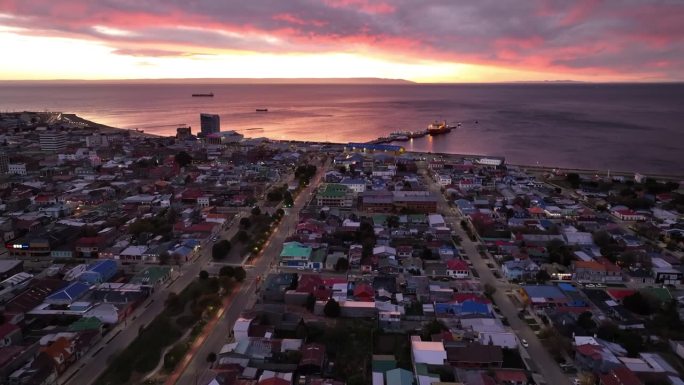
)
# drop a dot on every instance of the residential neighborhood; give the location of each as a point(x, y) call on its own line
point(224, 260)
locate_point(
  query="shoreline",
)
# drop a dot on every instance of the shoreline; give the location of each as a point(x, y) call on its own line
point(115, 130)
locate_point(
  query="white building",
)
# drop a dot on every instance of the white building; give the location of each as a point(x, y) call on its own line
point(431, 353)
point(436, 220)
point(443, 180)
point(16, 168)
point(52, 140)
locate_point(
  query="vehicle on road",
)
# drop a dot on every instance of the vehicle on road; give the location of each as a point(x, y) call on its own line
point(524, 343)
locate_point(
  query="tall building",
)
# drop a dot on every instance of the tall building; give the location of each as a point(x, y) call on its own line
point(4, 163)
point(52, 140)
point(184, 133)
point(210, 123)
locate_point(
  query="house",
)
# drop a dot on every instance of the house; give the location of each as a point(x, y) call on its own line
point(431, 353)
point(540, 296)
point(475, 356)
point(625, 214)
point(99, 272)
point(619, 376)
point(520, 269)
point(295, 254)
point(458, 268)
point(595, 358)
point(62, 351)
point(357, 185)
point(601, 270)
point(10, 334)
point(510, 377)
point(334, 195)
point(313, 358)
point(399, 376)
point(69, 294)
point(364, 292)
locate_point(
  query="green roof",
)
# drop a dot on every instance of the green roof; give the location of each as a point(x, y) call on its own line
point(333, 190)
point(660, 293)
point(88, 323)
point(399, 376)
point(295, 250)
point(382, 366)
point(151, 275)
point(380, 219)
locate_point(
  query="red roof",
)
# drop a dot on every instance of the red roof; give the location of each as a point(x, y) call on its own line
point(620, 376)
point(510, 376)
point(275, 381)
point(364, 292)
point(457, 264)
point(7, 328)
point(90, 241)
point(590, 351)
point(313, 284)
point(313, 354)
point(462, 297)
point(619, 294)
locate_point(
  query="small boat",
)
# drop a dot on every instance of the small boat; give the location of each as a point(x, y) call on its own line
point(262, 110)
point(254, 129)
point(209, 95)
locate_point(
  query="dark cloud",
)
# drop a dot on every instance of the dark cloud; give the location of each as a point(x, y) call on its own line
point(630, 38)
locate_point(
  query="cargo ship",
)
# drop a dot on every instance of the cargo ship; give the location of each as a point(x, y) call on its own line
point(209, 95)
point(438, 128)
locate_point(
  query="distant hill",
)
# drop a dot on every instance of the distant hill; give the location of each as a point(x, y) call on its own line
point(227, 81)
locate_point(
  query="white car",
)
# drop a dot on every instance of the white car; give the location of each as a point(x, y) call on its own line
point(524, 343)
point(590, 285)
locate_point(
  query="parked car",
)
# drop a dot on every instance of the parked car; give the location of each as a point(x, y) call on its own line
point(524, 343)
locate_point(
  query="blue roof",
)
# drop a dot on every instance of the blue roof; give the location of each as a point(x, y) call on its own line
point(567, 287)
point(70, 293)
point(474, 307)
point(103, 267)
point(191, 243)
point(182, 251)
point(543, 291)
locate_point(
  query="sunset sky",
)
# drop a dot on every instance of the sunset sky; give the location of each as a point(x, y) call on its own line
point(419, 40)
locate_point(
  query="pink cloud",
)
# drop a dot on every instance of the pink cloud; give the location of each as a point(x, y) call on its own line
point(588, 37)
point(364, 5)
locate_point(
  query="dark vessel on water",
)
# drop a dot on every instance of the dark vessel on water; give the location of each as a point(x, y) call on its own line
point(209, 95)
point(437, 128)
point(262, 110)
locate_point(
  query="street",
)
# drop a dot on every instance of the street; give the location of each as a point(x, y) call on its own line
point(244, 299)
point(95, 362)
point(543, 361)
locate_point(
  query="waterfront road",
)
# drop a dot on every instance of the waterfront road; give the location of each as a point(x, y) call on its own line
point(541, 359)
point(245, 298)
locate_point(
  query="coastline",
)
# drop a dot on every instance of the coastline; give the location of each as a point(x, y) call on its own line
point(540, 168)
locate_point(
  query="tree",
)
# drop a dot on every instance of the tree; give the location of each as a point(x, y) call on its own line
point(245, 223)
point(279, 213)
point(559, 252)
point(242, 236)
point(220, 249)
point(310, 302)
point(182, 159)
point(489, 290)
point(211, 358)
point(393, 221)
point(203, 275)
point(342, 264)
point(585, 321)
point(256, 211)
point(226, 271)
point(332, 309)
point(239, 274)
point(164, 258)
point(542, 276)
point(638, 303)
point(433, 327)
point(288, 201)
point(573, 179)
